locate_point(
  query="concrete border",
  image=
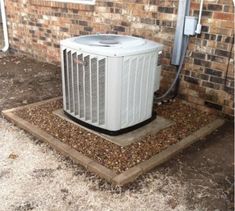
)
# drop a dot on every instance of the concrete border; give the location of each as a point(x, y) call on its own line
point(91, 165)
point(31, 104)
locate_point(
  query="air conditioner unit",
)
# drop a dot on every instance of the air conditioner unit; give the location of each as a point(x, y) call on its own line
point(109, 81)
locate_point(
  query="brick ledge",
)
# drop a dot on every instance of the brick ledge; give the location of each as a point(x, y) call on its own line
point(54, 4)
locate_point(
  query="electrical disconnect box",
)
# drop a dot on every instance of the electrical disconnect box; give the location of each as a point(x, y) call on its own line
point(190, 25)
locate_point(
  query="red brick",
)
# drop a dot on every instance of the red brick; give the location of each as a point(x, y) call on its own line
point(45, 23)
point(224, 16)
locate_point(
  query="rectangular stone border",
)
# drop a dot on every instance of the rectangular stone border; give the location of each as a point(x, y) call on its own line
point(117, 179)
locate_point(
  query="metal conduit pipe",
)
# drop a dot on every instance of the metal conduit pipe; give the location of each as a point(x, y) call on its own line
point(4, 23)
point(182, 33)
point(180, 45)
point(179, 68)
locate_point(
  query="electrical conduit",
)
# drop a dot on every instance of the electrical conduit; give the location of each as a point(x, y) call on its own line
point(181, 44)
point(178, 71)
point(199, 26)
point(4, 23)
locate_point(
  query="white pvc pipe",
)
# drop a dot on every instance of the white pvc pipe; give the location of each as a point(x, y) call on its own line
point(199, 26)
point(4, 23)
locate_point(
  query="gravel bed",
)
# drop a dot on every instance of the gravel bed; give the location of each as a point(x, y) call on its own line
point(187, 120)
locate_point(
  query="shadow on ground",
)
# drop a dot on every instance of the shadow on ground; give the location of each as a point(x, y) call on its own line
point(205, 169)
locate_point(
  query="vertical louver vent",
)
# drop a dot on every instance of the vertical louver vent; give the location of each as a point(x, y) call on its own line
point(84, 86)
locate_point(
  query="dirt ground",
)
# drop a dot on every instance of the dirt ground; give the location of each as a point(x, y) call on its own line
point(34, 177)
point(23, 81)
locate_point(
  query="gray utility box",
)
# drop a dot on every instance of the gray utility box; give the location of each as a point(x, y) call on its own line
point(190, 25)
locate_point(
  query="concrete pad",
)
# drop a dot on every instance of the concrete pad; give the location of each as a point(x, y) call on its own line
point(126, 139)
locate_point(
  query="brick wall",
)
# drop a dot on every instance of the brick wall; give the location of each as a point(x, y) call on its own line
point(36, 26)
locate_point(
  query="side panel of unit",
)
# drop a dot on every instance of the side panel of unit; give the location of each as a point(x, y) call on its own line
point(137, 89)
point(84, 86)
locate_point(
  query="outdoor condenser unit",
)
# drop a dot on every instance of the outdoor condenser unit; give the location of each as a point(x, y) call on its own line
point(109, 81)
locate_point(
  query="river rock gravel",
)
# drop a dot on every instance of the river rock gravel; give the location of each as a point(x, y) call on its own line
point(119, 159)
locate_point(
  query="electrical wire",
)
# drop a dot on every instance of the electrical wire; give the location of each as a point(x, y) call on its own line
point(178, 71)
point(229, 58)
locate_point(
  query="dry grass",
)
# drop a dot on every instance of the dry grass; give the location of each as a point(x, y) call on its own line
point(34, 177)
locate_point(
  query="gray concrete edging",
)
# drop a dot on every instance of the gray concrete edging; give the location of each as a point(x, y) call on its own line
point(166, 154)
